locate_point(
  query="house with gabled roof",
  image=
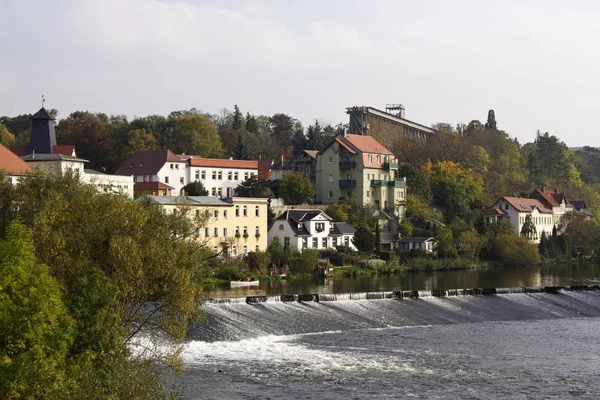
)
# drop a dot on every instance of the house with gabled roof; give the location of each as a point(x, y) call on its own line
point(310, 229)
point(13, 166)
point(359, 166)
point(163, 172)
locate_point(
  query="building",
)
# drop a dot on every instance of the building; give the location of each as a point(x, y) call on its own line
point(304, 163)
point(310, 229)
point(426, 244)
point(231, 226)
point(13, 166)
point(545, 208)
point(264, 169)
point(360, 167)
point(45, 155)
point(387, 127)
point(169, 172)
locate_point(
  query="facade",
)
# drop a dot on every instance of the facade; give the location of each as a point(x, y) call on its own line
point(219, 177)
point(13, 166)
point(546, 208)
point(360, 167)
point(304, 163)
point(231, 226)
point(387, 127)
point(310, 229)
point(426, 244)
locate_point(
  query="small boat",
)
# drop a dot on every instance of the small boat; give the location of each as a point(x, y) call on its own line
point(244, 283)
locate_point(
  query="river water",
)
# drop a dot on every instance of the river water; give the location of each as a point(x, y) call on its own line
point(514, 346)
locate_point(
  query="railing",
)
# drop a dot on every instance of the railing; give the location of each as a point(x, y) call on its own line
point(390, 165)
point(347, 164)
point(397, 183)
point(344, 183)
point(377, 182)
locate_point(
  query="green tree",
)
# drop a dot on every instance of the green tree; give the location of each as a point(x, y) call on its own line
point(238, 118)
point(195, 188)
point(194, 134)
point(377, 238)
point(7, 139)
point(35, 328)
point(470, 245)
point(364, 240)
point(528, 229)
point(295, 188)
point(138, 140)
point(251, 123)
point(515, 251)
point(251, 187)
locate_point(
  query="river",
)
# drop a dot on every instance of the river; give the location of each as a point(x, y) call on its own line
point(513, 346)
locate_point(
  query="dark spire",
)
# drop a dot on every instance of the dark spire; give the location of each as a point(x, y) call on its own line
point(43, 138)
point(491, 121)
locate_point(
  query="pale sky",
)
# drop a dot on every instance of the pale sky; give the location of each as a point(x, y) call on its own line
point(536, 63)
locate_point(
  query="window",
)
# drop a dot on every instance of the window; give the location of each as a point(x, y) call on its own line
point(234, 250)
point(235, 176)
point(256, 211)
point(237, 211)
point(146, 179)
point(229, 175)
point(378, 158)
point(237, 231)
point(256, 248)
point(245, 249)
point(320, 226)
point(348, 194)
point(225, 214)
point(245, 211)
point(506, 206)
point(214, 174)
point(330, 194)
point(216, 249)
point(166, 179)
point(213, 191)
point(216, 232)
point(206, 233)
point(304, 243)
point(367, 194)
point(286, 241)
point(324, 243)
point(330, 178)
point(245, 176)
point(315, 243)
point(400, 194)
point(370, 158)
point(280, 227)
point(256, 231)
point(225, 232)
point(171, 166)
point(181, 180)
point(197, 213)
point(245, 231)
point(197, 175)
point(203, 175)
point(176, 166)
point(216, 213)
point(330, 159)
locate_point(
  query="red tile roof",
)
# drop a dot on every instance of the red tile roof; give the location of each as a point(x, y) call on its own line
point(20, 150)
point(492, 211)
point(365, 144)
point(523, 204)
point(551, 198)
point(151, 186)
point(12, 164)
point(64, 149)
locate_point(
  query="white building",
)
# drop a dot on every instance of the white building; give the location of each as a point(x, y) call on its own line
point(219, 177)
point(310, 229)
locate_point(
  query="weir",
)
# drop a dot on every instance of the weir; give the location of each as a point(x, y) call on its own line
point(239, 318)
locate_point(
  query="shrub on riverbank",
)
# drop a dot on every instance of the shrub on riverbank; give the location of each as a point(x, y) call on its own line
point(437, 264)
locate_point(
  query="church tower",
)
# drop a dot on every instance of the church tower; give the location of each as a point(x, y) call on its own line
point(43, 138)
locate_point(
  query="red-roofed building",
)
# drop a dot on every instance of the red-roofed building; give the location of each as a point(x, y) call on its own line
point(546, 208)
point(220, 177)
point(360, 167)
point(12, 165)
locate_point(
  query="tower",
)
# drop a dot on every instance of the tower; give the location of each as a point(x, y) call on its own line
point(43, 137)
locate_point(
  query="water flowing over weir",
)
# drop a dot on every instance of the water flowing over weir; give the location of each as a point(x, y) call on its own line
point(230, 319)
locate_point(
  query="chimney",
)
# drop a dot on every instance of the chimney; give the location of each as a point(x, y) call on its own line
point(282, 160)
point(182, 192)
point(229, 193)
point(555, 190)
point(543, 189)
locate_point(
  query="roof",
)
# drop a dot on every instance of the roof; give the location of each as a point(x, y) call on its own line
point(551, 198)
point(147, 162)
point(264, 164)
point(188, 200)
point(416, 239)
point(523, 204)
point(579, 204)
point(42, 114)
point(51, 157)
point(20, 150)
point(225, 163)
point(65, 149)
point(342, 228)
point(312, 153)
point(359, 143)
point(12, 164)
point(151, 186)
point(492, 211)
point(301, 215)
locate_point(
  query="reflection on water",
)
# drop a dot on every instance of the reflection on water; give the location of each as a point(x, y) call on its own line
point(546, 275)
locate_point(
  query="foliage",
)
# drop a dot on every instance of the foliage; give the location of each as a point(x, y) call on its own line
point(515, 251)
point(304, 262)
point(7, 139)
point(470, 245)
point(276, 251)
point(528, 229)
point(251, 187)
point(296, 188)
point(138, 140)
point(195, 188)
point(405, 228)
point(364, 240)
point(196, 135)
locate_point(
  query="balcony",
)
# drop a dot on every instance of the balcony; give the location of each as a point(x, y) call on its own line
point(377, 182)
point(347, 165)
point(390, 165)
point(398, 183)
point(346, 183)
point(224, 240)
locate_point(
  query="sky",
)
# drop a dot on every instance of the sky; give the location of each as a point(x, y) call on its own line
point(535, 63)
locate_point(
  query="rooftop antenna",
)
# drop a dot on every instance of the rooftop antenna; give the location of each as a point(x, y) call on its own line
point(43, 101)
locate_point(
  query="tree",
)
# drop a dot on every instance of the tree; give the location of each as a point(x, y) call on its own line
point(6, 138)
point(36, 330)
point(491, 121)
point(138, 140)
point(195, 188)
point(241, 150)
point(364, 240)
point(238, 118)
point(377, 239)
point(194, 134)
point(528, 229)
point(515, 251)
point(470, 245)
point(251, 123)
point(295, 188)
point(251, 187)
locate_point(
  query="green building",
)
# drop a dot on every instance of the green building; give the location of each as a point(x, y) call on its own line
point(361, 167)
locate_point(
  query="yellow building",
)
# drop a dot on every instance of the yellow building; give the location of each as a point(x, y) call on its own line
point(234, 226)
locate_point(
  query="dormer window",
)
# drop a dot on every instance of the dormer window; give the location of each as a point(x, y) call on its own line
point(300, 227)
point(281, 227)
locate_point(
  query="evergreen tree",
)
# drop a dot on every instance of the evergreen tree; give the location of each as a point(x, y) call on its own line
point(377, 238)
point(251, 187)
point(241, 150)
point(491, 121)
point(543, 248)
point(238, 118)
point(251, 123)
point(364, 240)
point(528, 229)
point(195, 188)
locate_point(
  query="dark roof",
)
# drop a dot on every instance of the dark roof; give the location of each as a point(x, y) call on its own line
point(187, 200)
point(492, 211)
point(416, 239)
point(301, 215)
point(147, 162)
point(579, 204)
point(20, 150)
point(342, 228)
point(551, 198)
point(12, 164)
point(42, 114)
point(51, 157)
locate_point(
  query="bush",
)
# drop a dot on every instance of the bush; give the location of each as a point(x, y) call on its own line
point(436, 264)
point(258, 261)
point(371, 264)
point(231, 270)
point(515, 251)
